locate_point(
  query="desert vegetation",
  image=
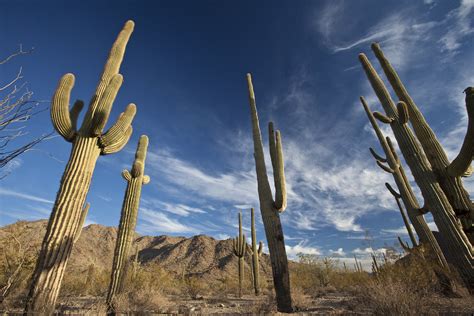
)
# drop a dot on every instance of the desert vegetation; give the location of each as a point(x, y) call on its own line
point(143, 274)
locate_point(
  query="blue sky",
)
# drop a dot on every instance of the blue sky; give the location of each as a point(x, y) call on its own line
point(185, 69)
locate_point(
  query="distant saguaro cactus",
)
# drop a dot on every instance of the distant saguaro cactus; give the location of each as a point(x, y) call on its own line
point(270, 208)
point(443, 194)
point(128, 219)
point(255, 252)
point(88, 143)
point(240, 248)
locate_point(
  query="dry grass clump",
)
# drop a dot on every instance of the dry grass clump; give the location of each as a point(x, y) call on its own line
point(145, 289)
point(406, 287)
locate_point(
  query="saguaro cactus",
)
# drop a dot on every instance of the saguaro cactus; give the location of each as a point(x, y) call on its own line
point(460, 248)
point(414, 211)
point(447, 174)
point(88, 143)
point(269, 208)
point(240, 248)
point(128, 219)
point(255, 252)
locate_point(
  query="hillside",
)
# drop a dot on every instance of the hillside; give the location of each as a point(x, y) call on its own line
point(200, 255)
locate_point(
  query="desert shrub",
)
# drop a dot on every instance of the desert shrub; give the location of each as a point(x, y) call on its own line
point(90, 282)
point(311, 273)
point(145, 289)
point(16, 267)
point(405, 287)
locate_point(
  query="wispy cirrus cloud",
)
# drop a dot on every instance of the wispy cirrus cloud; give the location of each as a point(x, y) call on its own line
point(24, 196)
point(153, 222)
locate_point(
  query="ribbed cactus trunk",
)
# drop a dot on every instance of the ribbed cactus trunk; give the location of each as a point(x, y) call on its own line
point(128, 219)
point(269, 208)
point(256, 252)
point(460, 248)
point(406, 193)
point(240, 248)
point(89, 142)
point(448, 174)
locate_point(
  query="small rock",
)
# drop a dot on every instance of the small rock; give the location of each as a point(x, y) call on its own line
point(221, 305)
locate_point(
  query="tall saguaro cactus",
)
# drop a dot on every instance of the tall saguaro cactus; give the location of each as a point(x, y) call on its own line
point(135, 178)
point(414, 211)
point(88, 143)
point(240, 248)
point(269, 208)
point(448, 174)
point(255, 252)
point(460, 248)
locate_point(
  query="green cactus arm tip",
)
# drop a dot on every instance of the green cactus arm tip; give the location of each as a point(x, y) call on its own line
point(126, 175)
point(60, 114)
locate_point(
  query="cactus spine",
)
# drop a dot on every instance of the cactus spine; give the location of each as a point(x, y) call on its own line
point(255, 252)
point(460, 248)
point(240, 248)
point(88, 143)
point(128, 219)
point(269, 208)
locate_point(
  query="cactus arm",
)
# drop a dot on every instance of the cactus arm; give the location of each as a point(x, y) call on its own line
point(279, 174)
point(392, 191)
point(404, 245)
point(120, 144)
point(384, 167)
point(126, 175)
point(260, 248)
point(104, 107)
point(74, 113)
point(383, 118)
point(377, 156)
point(111, 68)
point(462, 162)
point(60, 115)
point(402, 111)
point(82, 220)
point(115, 133)
point(272, 145)
point(404, 216)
